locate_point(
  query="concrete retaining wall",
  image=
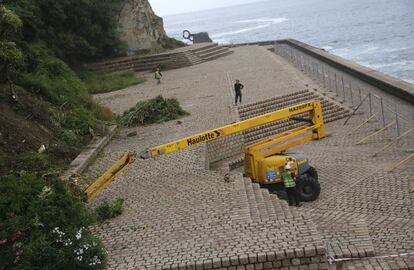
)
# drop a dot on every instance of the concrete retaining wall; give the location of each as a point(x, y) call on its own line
point(375, 78)
point(372, 77)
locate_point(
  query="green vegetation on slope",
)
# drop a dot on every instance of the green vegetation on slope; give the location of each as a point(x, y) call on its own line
point(155, 110)
point(43, 226)
point(75, 30)
point(107, 82)
point(44, 105)
point(172, 43)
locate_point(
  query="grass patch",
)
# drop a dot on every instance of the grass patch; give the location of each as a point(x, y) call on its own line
point(107, 82)
point(156, 110)
point(107, 210)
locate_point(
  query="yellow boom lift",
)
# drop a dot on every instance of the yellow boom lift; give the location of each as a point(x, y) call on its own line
point(265, 160)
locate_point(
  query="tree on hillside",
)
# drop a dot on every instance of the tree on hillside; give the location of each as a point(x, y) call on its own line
point(11, 58)
point(76, 30)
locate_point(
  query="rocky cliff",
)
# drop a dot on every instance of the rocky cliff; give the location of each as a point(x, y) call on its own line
point(140, 28)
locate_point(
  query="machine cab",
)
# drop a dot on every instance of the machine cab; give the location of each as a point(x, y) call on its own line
point(270, 169)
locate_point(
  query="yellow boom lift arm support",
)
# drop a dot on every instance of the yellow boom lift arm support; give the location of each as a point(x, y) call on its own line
point(315, 125)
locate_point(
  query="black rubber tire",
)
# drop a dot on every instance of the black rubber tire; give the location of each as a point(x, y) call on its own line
point(308, 188)
point(312, 173)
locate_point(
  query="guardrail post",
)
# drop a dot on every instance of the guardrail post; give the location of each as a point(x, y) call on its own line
point(323, 74)
point(382, 111)
point(350, 91)
point(396, 120)
point(330, 82)
point(343, 88)
point(370, 104)
point(313, 70)
point(317, 69)
point(336, 85)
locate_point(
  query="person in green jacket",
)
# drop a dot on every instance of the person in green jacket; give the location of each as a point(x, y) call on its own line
point(289, 183)
point(158, 75)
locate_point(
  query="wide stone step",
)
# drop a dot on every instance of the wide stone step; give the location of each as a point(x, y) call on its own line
point(331, 111)
point(282, 123)
point(266, 206)
point(248, 106)
point(268, 132)
point(346, 234)
point(214, 51)
point(276, 105)
point(129, 60)
point(218, 55)
point(205, 47)
point(401, 263)
point(207, 50)
point(193, 58)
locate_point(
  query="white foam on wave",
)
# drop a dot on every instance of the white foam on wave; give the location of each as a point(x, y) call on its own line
point(355, 52)
point(264, 20)
point(407, 64)
point(327, 48)
point(243, 30)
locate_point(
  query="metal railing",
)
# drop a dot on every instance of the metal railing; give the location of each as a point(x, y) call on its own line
point(348, 90)
point(355, 93)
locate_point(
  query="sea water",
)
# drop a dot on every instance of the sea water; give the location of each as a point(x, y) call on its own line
point(375, 33)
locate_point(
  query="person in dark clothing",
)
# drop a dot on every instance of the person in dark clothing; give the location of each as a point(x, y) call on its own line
point(289, 183)
point(237, 88)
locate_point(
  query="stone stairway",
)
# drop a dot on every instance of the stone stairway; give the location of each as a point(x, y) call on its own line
point(212, 52)
point(132, 63)
point(193, 58)
point(187, 56)
point(331, 111)
point(255, 205)
point(347, 234)
point(264, 206)
point(198, 221)
point(231, 147)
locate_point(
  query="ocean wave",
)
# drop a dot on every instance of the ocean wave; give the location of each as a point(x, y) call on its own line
point(264, 20)
point(407, 64)
point(243, 30)
point(327, 48)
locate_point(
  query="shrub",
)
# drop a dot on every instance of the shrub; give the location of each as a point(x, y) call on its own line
point(107, 210)
point(33, 161)
point(52, 79)
point(172, 43)
point(103, 113)
point(43, 226)
point(154, 110)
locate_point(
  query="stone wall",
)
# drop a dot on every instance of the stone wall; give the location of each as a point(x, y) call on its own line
point(375, 78)
point(387, 99)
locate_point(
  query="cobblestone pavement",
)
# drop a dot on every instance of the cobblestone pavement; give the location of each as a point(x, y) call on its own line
point(357, 185)
point(181, 216)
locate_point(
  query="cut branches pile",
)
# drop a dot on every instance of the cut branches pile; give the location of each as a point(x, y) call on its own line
point(156, 110)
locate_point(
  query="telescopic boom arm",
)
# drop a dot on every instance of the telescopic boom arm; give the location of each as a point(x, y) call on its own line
point(313, 107)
